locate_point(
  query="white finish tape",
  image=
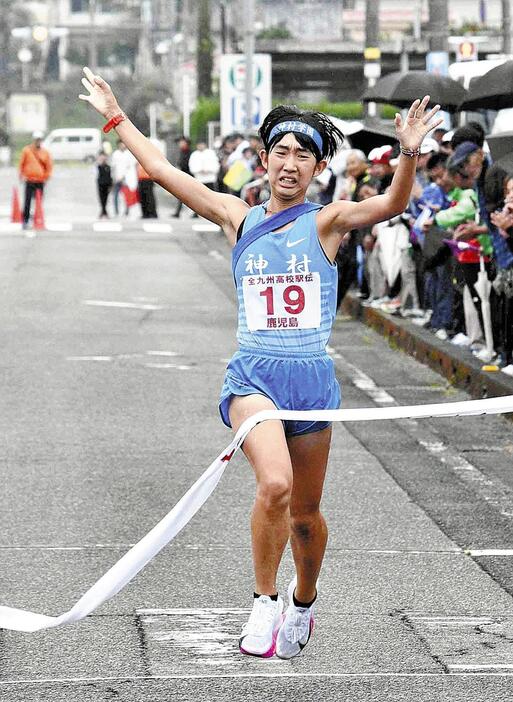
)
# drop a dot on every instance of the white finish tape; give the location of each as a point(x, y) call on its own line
point(139, 555)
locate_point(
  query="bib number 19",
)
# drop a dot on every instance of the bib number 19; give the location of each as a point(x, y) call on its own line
point(282, 305)
point(293, 297)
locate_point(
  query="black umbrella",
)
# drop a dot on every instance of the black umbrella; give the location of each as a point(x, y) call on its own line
point(402, 89)
point(506, 162)
point(367, 135)
point(491, 91)
point(500, 144)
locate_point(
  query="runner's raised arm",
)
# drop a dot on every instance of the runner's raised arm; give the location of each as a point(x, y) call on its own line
point(225, 210)
point(340, 217)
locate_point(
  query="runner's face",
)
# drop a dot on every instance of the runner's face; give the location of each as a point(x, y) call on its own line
point(290, 167)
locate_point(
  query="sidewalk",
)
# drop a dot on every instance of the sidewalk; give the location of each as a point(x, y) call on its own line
point(458, 365)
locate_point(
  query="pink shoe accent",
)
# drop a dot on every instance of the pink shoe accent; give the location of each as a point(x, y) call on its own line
point(269, 653)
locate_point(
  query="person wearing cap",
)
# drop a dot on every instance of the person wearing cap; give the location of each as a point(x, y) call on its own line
point(380, 167)
point(35, 168)
point(459, 179)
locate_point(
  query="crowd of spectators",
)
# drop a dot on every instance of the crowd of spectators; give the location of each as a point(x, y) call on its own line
point(447, 261)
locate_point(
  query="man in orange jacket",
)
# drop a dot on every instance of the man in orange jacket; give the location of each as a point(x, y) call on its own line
point(35, 169)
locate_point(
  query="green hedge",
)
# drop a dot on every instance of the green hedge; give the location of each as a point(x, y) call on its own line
point(208, 109)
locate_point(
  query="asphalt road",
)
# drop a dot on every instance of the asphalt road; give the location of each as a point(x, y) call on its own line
point(113, 348)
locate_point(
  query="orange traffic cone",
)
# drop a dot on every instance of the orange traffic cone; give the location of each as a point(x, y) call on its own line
point(16, 216)
point(39, 218)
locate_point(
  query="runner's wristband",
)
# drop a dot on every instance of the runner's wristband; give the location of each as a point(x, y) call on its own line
point(412, 153)
point(114, 121)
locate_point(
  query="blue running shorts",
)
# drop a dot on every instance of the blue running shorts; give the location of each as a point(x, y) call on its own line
point(293, 381)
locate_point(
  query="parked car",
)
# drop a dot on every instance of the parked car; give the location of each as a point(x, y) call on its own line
point(74, 144)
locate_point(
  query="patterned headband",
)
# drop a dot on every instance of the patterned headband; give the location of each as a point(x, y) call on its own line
point(298, 128)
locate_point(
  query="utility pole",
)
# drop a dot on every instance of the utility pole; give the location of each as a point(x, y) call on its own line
point(249, 50)
point(204, 50)
point(437, 60)
point(438, 25)
point(93, 47)
point(372, 52)
point(506, 26)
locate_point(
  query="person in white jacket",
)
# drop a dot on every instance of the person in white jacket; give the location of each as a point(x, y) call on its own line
point(204, 165)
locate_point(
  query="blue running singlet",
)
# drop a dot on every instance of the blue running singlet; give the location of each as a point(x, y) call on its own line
point(287, 290)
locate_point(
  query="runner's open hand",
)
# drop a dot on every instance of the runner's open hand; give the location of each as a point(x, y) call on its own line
point(417, 124)
point(100, 95)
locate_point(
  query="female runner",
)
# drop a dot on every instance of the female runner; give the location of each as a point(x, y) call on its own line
point(286, 283)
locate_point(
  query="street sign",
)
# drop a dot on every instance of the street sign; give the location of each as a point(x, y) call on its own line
point(466, 51)
point(438, 62)
point(27, 113)
point(233, 91)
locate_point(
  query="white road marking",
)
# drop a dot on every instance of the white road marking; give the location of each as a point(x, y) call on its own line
point(89, 358)
point(494, 492)
point(157, 227)
point(251, 676)
point(9, 227)
point(461, 667)
point(127, 305)
point(167, 365)
point(490, 552)
point(207, 227)
point(59, 226)
point(107, 227)
point(364, 382)
point(198, 547)
point(163, 353)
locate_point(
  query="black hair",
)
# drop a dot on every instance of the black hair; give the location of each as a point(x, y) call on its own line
point(439, 159)
point(331, 135)
point(469, 132)
point(496, 177)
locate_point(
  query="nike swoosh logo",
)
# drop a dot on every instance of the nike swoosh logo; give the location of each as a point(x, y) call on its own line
point(295, 243)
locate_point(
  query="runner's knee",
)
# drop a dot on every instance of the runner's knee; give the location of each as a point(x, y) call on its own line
point(274, 493)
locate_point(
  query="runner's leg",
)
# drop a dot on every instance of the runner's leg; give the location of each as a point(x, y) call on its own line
point(308, 531)
point(266, 450)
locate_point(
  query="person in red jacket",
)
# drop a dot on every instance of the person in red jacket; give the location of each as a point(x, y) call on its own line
point(35, 168)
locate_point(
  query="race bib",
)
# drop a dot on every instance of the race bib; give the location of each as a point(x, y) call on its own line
point(282, 301)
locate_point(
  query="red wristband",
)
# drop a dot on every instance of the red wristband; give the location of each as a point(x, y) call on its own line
point(114, 121)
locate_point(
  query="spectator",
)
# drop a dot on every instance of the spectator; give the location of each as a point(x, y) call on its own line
point(204, 166)
point(381, 169)
point(122, 162)
point(146, 192)
point(184, 155)
point(35, 169)
point(103, 181)
point(349, 258)
point(499, 203)
point(463, 169)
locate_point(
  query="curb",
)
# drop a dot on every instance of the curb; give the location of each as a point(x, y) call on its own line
point(459, 367)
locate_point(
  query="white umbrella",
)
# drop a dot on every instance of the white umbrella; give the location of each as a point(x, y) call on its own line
point(483, 288)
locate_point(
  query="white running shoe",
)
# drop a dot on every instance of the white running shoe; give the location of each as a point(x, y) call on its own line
point(258, 635)
point(296, 629)
point(461, 340)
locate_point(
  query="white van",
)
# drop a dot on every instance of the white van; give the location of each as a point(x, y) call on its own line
point(74, 144)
